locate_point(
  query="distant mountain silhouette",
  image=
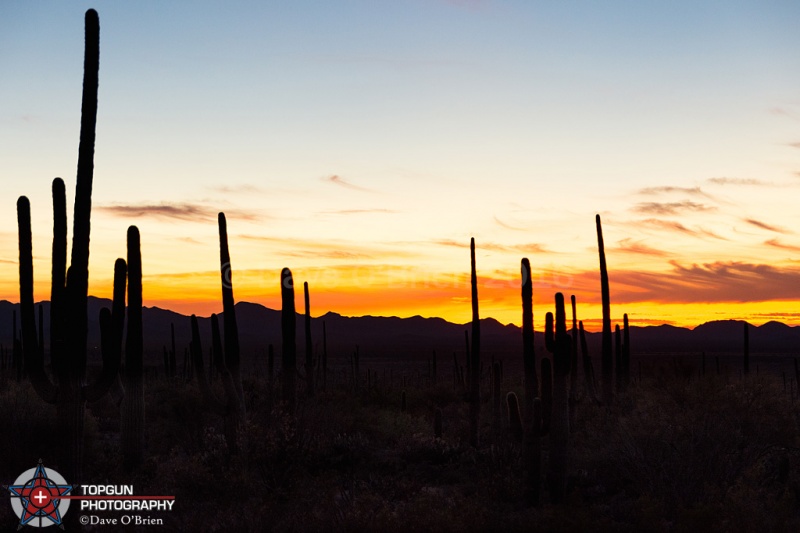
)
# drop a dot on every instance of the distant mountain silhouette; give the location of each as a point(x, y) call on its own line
point(411, 338)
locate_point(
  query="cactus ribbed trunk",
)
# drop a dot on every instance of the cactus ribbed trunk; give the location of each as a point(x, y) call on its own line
point(607, 350)
point(289, 347)
point(475, 358)
point(626, 352)
point(573, 375)
point(132, 408)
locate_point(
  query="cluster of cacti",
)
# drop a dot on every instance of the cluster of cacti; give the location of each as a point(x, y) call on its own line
point(226, 360)
point(132, 405)
point(559, 345)
point(170, 362)
point(69, 288)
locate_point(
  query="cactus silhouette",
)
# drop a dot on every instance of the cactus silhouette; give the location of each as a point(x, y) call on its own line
point(229, 313)
point(474, 356)
point(132, 423)
point(69, 292)
point(560, 345)
point(225, 360)
point(514, 417)
point(528, 354)
point(289, 348)
point(588, 368)
point(309, 347)
point(746, 349)
point(607, 354)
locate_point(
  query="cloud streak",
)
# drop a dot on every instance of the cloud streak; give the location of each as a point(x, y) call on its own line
point(529, 248)
point(669, 189)
point(179, 211)
point(765, 226)
point(671, 208)
point(341, 182)
point(631, 247)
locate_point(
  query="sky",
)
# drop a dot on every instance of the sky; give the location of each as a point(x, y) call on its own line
point(363, 143)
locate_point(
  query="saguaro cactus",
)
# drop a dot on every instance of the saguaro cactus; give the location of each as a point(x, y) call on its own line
point(289, 345)
point(608, 357)
point(560, 345)
point(229, 313)
point(69, 293)
point(746, 349)
point(228, 406)
point(132, 409)
point(528, 354)
point(475, 357)
point(309, 346)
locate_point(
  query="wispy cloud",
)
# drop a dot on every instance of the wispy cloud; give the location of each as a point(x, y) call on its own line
point(764, 225)
point(238, 189)
point(529, 248)
point(179, 211)
point(631, 247)
point(739, 181)
point(670, 208)
point(357, 211)
point(775, 243)
point(795, 145)
point(672, 225)
point(721, 281)
point(508, 226)
point(328, 248)
point(670, 189)
point(340, 181)
point(668, 225)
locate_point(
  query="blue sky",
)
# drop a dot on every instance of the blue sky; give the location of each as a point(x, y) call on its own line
point(400, 128)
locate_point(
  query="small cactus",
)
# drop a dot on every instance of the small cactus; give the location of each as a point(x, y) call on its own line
point(514, 417)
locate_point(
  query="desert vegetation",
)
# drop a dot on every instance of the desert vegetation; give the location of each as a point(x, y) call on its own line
point(518, 443)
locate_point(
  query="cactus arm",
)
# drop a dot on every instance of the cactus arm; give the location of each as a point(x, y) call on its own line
point(111, 325)
point(58, 276)
point(33, 357)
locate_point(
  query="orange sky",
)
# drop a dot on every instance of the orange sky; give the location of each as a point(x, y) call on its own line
point(362, 145)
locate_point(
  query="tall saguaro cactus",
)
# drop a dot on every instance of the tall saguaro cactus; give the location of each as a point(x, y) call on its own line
point(289, 344)
point(475, 356)
point(229, 312)
point(132, 408)
point(607, 352)
point(69, 292)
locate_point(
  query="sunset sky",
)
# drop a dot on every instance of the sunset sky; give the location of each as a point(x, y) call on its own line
point(362, 143)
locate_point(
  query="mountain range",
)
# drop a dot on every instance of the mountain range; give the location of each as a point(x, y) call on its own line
point(412, 338)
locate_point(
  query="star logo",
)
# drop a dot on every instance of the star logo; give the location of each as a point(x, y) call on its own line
point(38, 497)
